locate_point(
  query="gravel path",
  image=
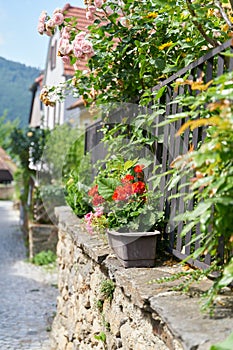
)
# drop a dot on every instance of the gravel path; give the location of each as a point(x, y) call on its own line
point(27, 292)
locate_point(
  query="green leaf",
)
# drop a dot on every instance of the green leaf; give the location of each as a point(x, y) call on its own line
point(160, 93)
point(129, 163)
point(227, 344)
point(197, 212)
point(106, 187)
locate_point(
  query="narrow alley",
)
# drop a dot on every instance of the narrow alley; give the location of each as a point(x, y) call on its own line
point(27, 292)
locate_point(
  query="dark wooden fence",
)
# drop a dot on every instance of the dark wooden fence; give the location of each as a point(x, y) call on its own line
point(209, 66)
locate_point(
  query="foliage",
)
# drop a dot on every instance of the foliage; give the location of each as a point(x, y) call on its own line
point(27, 145)
point(208, 171)
point(101, 336)
point(132, 45)
point(6, 128)
point(75, 195)
point(107, 289)
point(225, 345)
point(64, 148)
point(15, 95)
point(44, 258)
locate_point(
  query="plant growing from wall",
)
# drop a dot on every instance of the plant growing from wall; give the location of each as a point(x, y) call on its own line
point(44, 258)
point(106, 291)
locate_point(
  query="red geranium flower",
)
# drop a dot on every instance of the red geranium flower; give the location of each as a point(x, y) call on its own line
point(139, 187)
point(122, 193)
point(97, 199)
point(93, 191)
point(127, 178)
point(139, 168)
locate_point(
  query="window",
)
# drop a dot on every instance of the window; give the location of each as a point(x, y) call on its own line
point(53, 55)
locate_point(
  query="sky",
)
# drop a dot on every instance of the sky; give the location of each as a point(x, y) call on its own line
point(19, 39)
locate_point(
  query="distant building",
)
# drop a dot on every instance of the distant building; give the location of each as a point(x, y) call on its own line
point(7, 168)
point(56, 71)
point(36, 112)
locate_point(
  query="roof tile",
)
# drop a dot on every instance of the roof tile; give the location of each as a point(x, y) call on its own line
point(83, 23)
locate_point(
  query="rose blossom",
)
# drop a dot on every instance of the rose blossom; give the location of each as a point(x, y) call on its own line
point(50, 25)
point(89, 16)
point(40, 28)
point(78, 52)
point(65, 33)
point(98, 3)
point(91, 9)
point(108, 10)
point(43, 16)
point(66, 59)
point(57, 10)
point(64, 46)
point(41, 22)
point(58, 18)
point(80, 36)
point(86, 46)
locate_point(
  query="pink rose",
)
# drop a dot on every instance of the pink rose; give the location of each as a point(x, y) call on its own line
point(50, 25)
point(64, 46)
point(58, 18)
point(98, 3)
point(89, 16)
point(86, 46)
point(92, 9)
point(66, 59)
point(65, 33)
point(79, 37)
point(78, 52)
point(43, 16)
point(108, 10)
point(57, 10)
point(40, 28)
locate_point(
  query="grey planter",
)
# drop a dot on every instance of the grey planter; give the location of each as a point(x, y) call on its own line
point(134, 249)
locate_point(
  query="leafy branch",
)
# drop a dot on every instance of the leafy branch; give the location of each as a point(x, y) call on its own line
point(199, 26)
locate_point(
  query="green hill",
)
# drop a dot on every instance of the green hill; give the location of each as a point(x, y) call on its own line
point(15, 96)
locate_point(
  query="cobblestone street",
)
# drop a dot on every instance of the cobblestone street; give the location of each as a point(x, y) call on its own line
point(27, 292)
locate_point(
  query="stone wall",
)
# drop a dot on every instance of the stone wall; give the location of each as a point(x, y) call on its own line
point(6, 191)
point(139, 316)
point(42, 237)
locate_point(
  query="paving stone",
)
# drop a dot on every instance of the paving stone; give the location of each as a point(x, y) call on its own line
point(27, 292)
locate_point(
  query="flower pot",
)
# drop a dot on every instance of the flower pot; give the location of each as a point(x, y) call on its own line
point(134, 249)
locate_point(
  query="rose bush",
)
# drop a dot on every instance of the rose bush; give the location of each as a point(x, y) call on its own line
point(132, 45)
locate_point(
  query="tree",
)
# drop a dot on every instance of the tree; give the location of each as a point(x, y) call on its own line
point(6, 128)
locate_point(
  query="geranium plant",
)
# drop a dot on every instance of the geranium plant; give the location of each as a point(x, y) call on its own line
point(121, 200)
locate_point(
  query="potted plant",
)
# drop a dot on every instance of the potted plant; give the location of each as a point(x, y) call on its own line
point(126, 210)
